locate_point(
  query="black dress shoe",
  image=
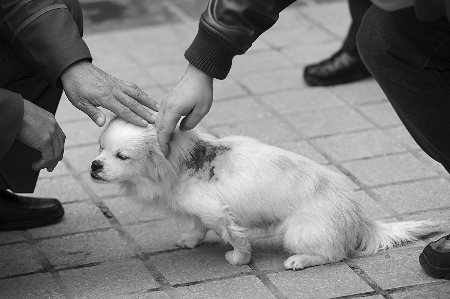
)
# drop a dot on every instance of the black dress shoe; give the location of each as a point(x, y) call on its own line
point(435, 258)
point(338, 69)
point(21, 212)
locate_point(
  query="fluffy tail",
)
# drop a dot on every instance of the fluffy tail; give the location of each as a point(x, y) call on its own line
point(380, 235)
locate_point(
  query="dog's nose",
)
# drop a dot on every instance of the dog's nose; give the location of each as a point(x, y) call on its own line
point(96, 165)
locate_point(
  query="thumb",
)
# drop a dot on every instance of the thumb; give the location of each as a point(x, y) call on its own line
point(95, 114)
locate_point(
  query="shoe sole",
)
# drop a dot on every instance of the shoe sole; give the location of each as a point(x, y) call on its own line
point(311, 81)
point(33, 224)
point(431, 270)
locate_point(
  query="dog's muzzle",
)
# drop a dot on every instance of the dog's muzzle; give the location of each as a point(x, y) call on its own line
point(96, 167)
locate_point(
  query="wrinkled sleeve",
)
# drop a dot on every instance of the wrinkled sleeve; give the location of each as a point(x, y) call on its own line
point(44, 34)
point(228, 28)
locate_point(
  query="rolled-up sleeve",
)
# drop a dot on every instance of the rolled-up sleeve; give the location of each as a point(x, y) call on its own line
point(44, 34)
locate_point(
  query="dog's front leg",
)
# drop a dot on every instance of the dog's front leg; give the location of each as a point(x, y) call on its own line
point(195, 236)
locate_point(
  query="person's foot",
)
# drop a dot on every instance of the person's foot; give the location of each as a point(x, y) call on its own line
point(21, 212)
point(435, 258)
point(338, 69)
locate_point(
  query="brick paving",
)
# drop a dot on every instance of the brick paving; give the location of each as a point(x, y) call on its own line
point(109, 247)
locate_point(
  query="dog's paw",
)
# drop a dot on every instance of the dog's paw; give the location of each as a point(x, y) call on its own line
point(301, 261)
point(237, 258)
point(187, 241)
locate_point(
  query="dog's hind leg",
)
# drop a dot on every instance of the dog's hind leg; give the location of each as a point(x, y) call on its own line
point(195, 236)
point(312, 241)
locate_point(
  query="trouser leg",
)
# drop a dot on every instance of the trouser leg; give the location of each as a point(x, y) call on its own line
point(15, 167)
point(357, 10)
point(411, 62)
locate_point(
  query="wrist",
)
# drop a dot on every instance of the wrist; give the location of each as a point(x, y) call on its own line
point(72, 70)
point(198, 74)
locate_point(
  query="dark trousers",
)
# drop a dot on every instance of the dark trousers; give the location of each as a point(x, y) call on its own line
point(410, 60)
point(357, 10)
point(15, 75)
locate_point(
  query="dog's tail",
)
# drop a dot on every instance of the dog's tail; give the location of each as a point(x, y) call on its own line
point(379, 235)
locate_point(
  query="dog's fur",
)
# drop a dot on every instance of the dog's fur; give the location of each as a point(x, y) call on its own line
point(234, 184)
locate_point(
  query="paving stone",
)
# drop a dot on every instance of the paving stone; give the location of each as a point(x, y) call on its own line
point(255, 62)
point(224, 89)
point(65, 189)
point(358, 145)
point(189, 265)
point(288, 102)
point(389, 169)
point(162, 234)
point(60, 170)
point(150, 295)
point(327, 122)
point(35, 286)
point(395, 268)
point(156, 93)
point(268, 255)
point(361, 92)
point(79, 217)
point(326, 281)
point(236, 111)
point(333, 16)
point(108, 279)
point(371, 297)
point(245, 287)
point(304, 149)
point(305, 54)
point(18, 259)
point(127, 211)
point(402, 135)
point(81, 132)
point(269, 131)
point(85, 248)
point(435, 291)
point(273, 80)
point(431, 163)
point(372, 209)
point(67, 112)
point(416, 196)
point(306, 34)
point(11, 237)
point(168, 73)
point(81, 157)
point(381, 113)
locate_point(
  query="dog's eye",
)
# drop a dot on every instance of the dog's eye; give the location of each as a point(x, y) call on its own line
point(121, 156)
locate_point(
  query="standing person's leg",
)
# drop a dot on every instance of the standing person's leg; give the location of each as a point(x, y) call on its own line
point(345, 65)
point(410, 60)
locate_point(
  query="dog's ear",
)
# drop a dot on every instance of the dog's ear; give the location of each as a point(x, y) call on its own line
point(159, 168)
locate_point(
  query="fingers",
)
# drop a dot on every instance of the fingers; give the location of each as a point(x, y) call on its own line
point(166, 124)
point(192, 119)
point(94, 113)
point(133, 111)
point(52, 153)
point(136, 93)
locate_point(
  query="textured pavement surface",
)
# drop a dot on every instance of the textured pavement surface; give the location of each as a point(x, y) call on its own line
point(109, 247)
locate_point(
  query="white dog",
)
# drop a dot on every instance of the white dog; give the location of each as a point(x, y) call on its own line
point(234, 184)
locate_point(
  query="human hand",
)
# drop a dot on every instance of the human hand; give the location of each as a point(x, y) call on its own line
point(39, 130)
point(88, 87)
point(391, 5)
point(191, 97)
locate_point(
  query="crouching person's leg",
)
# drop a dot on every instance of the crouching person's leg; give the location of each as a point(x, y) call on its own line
point(410, 60)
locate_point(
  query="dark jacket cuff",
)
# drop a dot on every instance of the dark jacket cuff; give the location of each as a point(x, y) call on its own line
point(211, 54)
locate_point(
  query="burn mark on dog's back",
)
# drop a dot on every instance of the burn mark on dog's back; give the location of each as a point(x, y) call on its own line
point(203, 155)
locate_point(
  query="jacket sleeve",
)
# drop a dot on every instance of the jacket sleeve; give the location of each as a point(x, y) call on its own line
point(44, 34)
point(228, 28)
point(11, 115)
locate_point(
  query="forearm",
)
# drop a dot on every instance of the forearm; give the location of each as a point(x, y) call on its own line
point(228, 28)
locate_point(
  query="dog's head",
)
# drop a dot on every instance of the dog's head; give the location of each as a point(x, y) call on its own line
point(127, 153)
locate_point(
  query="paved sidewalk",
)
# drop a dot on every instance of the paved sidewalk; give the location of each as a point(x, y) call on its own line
point(109, 247)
